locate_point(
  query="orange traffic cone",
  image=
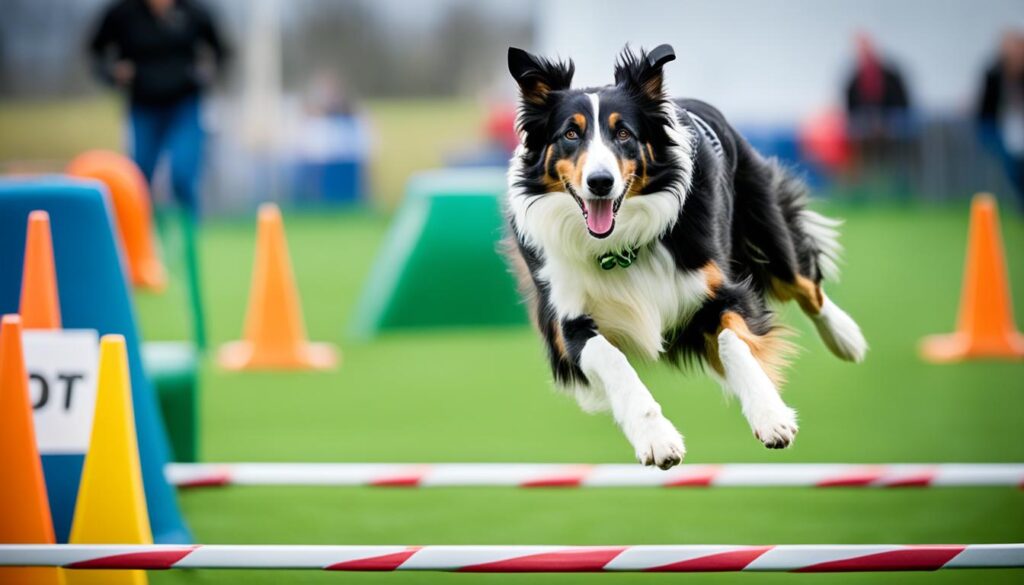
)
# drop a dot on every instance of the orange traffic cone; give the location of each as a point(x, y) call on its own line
point(274, 335)
point(40, 306)
point(985, 326)
point(130, 196)
point(23, 505)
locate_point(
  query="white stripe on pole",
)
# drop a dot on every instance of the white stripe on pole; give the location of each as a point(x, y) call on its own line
point(450, 558)
point(640, 558)
point(990, 555)
point(279, 557)
point(978, 474)
point(681, 558)
point(596, 475)
point(785, 558)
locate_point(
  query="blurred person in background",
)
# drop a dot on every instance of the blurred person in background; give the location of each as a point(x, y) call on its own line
point(332, 143)
point(162, 54)
point(879, 118)
point(1001, 108)
point(875, 90)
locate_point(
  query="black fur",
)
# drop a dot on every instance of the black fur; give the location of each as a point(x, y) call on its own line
point(741, 212)
point(564, 365)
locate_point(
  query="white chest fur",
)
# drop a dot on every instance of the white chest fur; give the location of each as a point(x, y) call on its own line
point(634, 306)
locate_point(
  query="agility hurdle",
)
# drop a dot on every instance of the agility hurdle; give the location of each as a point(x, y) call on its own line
point(599, 475)
point(823, 558)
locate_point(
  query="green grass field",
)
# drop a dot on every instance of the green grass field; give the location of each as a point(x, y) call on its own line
point(484, 395)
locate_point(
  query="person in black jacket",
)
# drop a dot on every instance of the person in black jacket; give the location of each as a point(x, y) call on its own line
point(162, 54)
point(1000, 109)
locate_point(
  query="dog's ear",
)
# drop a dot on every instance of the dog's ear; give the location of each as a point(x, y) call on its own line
point(642, 74)
point(538, 77)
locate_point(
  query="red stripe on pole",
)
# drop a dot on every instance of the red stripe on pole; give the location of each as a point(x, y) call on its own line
point(409, 477)
point(697, 479)
point(922, 479)
point(566, 478)
point(735, 560)
point(912, 558)
point(554, 481)
point(398, 481)
point(570, 561)
point(389, 562)
point(860, 477)
point(156, 559)
point(212, 480)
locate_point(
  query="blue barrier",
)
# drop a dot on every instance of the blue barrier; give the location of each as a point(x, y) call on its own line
point(94, 294)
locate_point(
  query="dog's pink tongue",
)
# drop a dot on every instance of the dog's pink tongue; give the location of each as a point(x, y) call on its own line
point(600, 216)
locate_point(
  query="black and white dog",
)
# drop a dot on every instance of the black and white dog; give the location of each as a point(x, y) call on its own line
point(648, 226)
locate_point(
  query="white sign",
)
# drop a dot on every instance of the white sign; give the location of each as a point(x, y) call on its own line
point(62, 367)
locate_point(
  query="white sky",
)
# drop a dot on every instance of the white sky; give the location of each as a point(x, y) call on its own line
point(779, 60)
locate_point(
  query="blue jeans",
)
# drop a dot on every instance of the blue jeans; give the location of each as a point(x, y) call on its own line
point(171, 129)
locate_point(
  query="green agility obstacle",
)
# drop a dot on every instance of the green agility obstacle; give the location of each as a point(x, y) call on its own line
point(439, 266)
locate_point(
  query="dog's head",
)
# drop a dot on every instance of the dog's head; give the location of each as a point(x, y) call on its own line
point(600, 146)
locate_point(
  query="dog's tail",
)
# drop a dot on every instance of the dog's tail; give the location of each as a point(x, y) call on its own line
point(816, 239)
point(815, 236)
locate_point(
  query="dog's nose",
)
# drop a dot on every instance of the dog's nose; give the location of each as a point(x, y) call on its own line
point(600, 183)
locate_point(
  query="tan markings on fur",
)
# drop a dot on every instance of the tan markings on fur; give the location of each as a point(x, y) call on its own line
point(652, 87)
point(552, 182)
point(714, 277)
point(560, 341)
point(538, 94)
point(581, 121)
point(804, 291)
point(524, 280)
point(772, 351)
point(628, 169)
point(613, 118)
point(643, 169)
point(571, 170)
point(650, 151)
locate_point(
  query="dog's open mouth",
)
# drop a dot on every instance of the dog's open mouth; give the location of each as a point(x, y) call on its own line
point(598, 213)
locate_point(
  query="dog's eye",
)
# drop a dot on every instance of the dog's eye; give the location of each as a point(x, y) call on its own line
point(572, 134)
point(623, 135)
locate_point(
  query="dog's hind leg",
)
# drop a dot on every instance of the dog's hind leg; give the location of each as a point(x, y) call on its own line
point(816, 244)
point(790, 250)
point(747, 353)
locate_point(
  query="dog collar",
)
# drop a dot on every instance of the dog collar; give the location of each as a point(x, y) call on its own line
point(623, 259)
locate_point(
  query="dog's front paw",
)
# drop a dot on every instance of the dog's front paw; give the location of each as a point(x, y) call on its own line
point(657, 442)
point(774, 425)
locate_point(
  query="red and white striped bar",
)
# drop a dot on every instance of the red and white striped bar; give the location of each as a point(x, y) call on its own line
point(599, 475)
point(824, 558)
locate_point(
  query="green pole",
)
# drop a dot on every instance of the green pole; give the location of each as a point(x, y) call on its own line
point(188, 224)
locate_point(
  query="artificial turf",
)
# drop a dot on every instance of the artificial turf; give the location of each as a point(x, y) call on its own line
point(484, 395)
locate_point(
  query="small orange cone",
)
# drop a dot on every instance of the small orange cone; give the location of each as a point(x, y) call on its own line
point(274, 335)
point(24, 509)
point(130, 196)
point(40, 306)
point(985, 326)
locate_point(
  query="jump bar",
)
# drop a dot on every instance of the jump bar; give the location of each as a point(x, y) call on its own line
point(597, 475)
point(822, 558)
